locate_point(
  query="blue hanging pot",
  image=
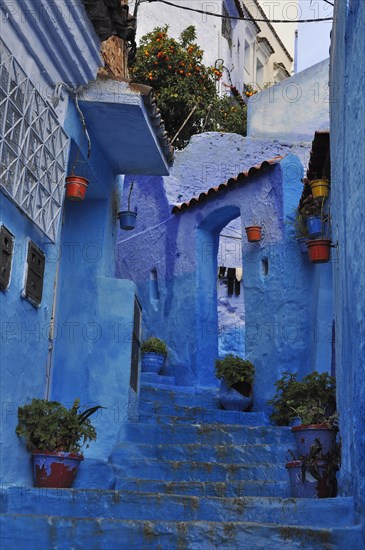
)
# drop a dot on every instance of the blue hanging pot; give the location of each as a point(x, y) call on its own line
point(314, 226)
point(127, 219)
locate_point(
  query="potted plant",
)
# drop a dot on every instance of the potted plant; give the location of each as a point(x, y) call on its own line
point(320, 188)
point(311, 210)
point(55, 435)
point(314, 475)
point(236, 376)
point(313, 400)
point(301, 230)
point(253, 233)
point(127, 218)
point(76, 186)
point(154, 352)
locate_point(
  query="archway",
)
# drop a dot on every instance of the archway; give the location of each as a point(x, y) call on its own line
point(206, 314)
point(230, 296)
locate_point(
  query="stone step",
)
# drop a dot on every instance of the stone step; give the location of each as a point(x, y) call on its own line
point(266, 488)
point(197, 452)
point(159, 380)
point(207, 400)
point(210, 434)
point(55, 533)
point(175, 470)
point(198, 415)
point(153, 507)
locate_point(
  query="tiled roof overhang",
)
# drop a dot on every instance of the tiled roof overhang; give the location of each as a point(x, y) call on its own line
point(232, 183)
point(127, 123)
point(320, 162)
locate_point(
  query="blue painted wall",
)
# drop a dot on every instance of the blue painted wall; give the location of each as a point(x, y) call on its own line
point(94, 311)
point(348, 200)
point(281, 308)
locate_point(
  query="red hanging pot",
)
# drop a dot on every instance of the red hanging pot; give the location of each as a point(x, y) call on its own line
point(253, 233)
point(319, 250)
point(76, 188)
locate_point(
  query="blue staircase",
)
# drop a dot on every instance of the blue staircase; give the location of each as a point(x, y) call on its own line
point(187, 476)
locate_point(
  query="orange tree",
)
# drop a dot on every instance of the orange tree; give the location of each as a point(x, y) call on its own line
point(181, 82)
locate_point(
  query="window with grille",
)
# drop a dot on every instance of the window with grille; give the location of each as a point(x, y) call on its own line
point(33, 147)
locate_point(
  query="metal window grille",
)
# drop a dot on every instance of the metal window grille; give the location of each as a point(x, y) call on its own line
point(33, 147)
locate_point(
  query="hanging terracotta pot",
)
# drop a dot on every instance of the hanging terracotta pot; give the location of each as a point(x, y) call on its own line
point(320, 188)
point(319, 250)
point(76, 187)
point(127, 219)
point(253, 233)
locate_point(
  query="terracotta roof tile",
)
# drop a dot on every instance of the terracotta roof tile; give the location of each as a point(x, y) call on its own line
point(241, 178)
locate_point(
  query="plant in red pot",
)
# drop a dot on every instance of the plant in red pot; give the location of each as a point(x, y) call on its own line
point(54, 435)
point(236, 376)
point(76, 185)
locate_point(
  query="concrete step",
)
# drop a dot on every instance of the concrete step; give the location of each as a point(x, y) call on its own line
point(265, 488)
point(175, 470)
point(203, 416)
point(55, 533)
point(197, 452)
point(153, 506)
point(207, 400)
point(153, 378)
point(210, 434)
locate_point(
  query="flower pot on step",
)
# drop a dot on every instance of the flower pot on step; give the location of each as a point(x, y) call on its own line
point(152, 362)
point(305, 434)
point(309, 487)
point(55, 469)
point(76, 188)
point(231, 399)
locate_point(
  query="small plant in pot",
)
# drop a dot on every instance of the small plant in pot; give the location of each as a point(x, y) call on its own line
point(314, 475)
point(55, 435)
point(312, 402)
point(301, 230)
point(236, 376)
point(154, 352)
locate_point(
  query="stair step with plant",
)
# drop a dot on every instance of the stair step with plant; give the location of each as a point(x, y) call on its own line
point(63, 533)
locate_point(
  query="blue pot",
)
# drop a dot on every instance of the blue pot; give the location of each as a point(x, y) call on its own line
point(302, 243)
point(127, 219)
point(232, 400)
point(152, 362)
point(314, 226)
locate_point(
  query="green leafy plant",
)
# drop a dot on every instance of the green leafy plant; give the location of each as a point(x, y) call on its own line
point(312, 399)
point(154, 345)
point(184, 87)
point(300, 225)
point(232, 369)
point(49, 426)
